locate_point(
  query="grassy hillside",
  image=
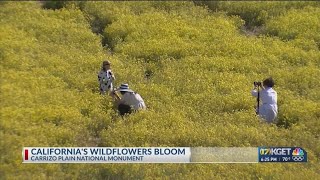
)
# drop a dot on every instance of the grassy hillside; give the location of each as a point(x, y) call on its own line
point(200, 66)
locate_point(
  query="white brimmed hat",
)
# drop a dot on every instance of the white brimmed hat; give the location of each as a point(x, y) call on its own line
point(124, 88)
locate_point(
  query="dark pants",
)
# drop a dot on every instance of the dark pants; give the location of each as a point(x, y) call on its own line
point(124, 109)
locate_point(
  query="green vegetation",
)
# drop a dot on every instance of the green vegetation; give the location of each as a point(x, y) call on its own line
point(302, 26)
point(201, 68)
point(256, 13)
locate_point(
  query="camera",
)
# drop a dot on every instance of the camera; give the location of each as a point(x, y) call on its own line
point(257, 83)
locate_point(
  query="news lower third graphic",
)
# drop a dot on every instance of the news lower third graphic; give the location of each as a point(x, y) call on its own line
point(163, 154)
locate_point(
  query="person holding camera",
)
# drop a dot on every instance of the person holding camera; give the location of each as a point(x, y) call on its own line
point(105, 78)
point(130, 100)
point(268, 108)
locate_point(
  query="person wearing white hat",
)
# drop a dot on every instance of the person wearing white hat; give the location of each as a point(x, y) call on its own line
point(106, 78)
point(130, 100)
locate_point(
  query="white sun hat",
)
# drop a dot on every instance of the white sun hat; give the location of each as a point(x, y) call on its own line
point(124, 88)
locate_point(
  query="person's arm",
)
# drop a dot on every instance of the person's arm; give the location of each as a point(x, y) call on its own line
point(100, 78)
point(254, 92)
point(111, 75)
point(116, 96)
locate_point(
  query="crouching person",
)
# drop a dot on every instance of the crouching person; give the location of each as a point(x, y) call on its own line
point(129, 102)
point(267, 109)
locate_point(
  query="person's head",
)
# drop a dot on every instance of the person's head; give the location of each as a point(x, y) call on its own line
point(268, 82)
point(106, 65)
point(124, 88)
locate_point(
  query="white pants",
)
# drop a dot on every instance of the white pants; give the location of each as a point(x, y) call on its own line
point(268, 112)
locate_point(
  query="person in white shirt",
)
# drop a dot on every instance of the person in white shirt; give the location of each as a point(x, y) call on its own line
point(105, 78)
point(268, 108)
point(130, 100)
